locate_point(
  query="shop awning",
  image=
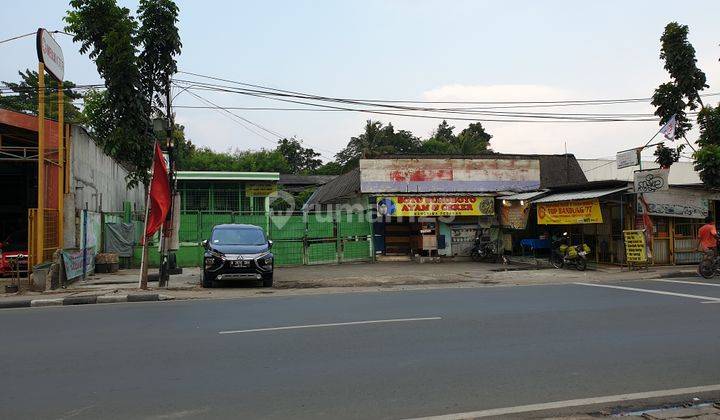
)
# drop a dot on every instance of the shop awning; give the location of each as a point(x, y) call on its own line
point(579, 195)
point(523, 196)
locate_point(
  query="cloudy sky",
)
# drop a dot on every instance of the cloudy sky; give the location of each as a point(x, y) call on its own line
point(414, 50)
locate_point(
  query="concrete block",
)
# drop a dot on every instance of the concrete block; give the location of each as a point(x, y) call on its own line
point(143, 297)
point(46, 302)
point(112, 298)
point(15, 303)
point(80, 300)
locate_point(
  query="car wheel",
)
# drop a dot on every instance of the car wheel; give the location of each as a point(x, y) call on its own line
point(207, 280)
point(267, 280)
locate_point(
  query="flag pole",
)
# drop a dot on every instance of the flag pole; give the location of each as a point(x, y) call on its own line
point(144, 260)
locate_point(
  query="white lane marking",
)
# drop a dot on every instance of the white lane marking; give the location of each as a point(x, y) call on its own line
point(657, 292)
point(574, 403)
point(334, 324)
point(697, 283)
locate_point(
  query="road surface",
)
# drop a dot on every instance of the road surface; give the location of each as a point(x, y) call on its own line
point(388, 355)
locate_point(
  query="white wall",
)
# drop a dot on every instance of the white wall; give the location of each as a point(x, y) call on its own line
point(604, 169)
point(95, 179)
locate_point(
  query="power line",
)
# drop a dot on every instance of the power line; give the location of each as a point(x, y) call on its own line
point(219, 108)
point(310, 100)
point(31, 33)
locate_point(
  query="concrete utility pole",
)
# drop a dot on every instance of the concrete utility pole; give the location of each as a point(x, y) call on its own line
point(168, 226)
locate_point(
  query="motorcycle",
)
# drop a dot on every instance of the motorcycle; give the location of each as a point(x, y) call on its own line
point(709, 267)
point(569, 255)
point(485, 249)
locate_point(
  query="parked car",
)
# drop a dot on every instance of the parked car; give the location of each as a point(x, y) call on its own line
point(237, 252)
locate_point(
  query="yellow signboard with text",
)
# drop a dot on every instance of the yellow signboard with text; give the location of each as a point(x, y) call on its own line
point(569, 212)
point(635, 249)
point(260, 190)
point(422, 206)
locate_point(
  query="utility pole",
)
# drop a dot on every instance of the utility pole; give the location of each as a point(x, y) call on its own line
point(168, 226)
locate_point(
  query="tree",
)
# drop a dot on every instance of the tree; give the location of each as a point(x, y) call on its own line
point(683, 91)
point(300, 159)
point(473, 140)
point(25, 97)
point(329, 168)
point(110, 36)
point(444, 133)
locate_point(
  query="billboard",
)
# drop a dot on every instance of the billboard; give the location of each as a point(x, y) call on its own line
point(651, 180)
point(427, 206)
point(50, 54)
point(409, 175)
point(569, 212)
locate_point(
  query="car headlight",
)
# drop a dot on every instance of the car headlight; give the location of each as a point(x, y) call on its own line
point(217, 254)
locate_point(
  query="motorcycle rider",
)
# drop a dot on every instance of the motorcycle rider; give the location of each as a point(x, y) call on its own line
point(707, 238)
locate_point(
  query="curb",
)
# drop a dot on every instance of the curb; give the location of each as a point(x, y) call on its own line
point(83, 300)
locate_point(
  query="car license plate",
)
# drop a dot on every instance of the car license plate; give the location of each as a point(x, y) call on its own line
point(238, 264)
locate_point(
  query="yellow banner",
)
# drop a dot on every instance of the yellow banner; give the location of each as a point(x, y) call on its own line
point(260, 190)
point(635, 249)
point(420, 206)
point(569, 212)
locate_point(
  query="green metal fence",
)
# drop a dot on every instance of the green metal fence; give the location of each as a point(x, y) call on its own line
point(298, 238)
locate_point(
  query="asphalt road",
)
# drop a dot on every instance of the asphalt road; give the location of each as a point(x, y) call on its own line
point(491, 347)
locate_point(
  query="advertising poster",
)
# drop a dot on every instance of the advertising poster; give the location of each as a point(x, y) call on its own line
point(569, 212)
point(260, 190)
point(424, 206)
point(635, 249)
point(514, 215)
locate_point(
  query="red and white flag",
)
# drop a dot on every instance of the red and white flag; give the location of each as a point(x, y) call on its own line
point(668, 130)
point(159, 194)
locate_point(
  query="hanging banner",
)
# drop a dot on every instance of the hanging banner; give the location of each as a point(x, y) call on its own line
point(651, 180)
point(73, 261)
point(635, 249)
point(627, 158)
point(420, 206)
point(260, 190)
point(514, 215)
point(569, 212)
point(676, 203)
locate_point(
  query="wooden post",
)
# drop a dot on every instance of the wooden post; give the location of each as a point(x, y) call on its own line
point(61, 166)
point(40, 220)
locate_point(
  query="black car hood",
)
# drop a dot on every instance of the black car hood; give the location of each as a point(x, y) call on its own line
point(240, 249)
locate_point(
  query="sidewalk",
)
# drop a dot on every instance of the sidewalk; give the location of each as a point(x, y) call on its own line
point(355, 278)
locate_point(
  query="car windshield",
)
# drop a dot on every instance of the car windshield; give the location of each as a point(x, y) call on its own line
point(238, 237)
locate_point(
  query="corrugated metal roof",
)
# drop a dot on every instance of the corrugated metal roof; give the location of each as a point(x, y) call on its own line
point(523, 196)
point(578, 195)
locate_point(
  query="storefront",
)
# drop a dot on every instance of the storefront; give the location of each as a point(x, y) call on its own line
point(437, 224)
point(594, 216)
point(677, 214)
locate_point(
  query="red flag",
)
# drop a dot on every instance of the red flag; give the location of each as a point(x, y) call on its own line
point(159, 194)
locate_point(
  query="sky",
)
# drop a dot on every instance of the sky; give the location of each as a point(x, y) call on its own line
point(411, 50)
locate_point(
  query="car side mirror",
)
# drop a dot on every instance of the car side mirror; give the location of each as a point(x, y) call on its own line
point(270, 242)
point(204, 243)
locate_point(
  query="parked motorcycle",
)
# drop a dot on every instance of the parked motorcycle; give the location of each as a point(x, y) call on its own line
point(487, 249)
point(564, 254)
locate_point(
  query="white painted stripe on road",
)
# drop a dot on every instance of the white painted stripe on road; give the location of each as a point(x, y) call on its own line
point(697, 283)
point(335, 324)
point(657, 292)
point(574, 403)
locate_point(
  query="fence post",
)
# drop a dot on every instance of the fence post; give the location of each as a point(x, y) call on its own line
point(339, 255)
point(306, 245)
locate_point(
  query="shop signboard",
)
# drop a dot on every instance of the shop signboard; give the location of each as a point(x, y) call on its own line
point(627, 158)
point(651, 180)
point(428, 206)
point(574, 212)
point(260, 190)
point(514, 215)
point(413, 176)
point(635, 247)
point(676, 203)
point(50, 54)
